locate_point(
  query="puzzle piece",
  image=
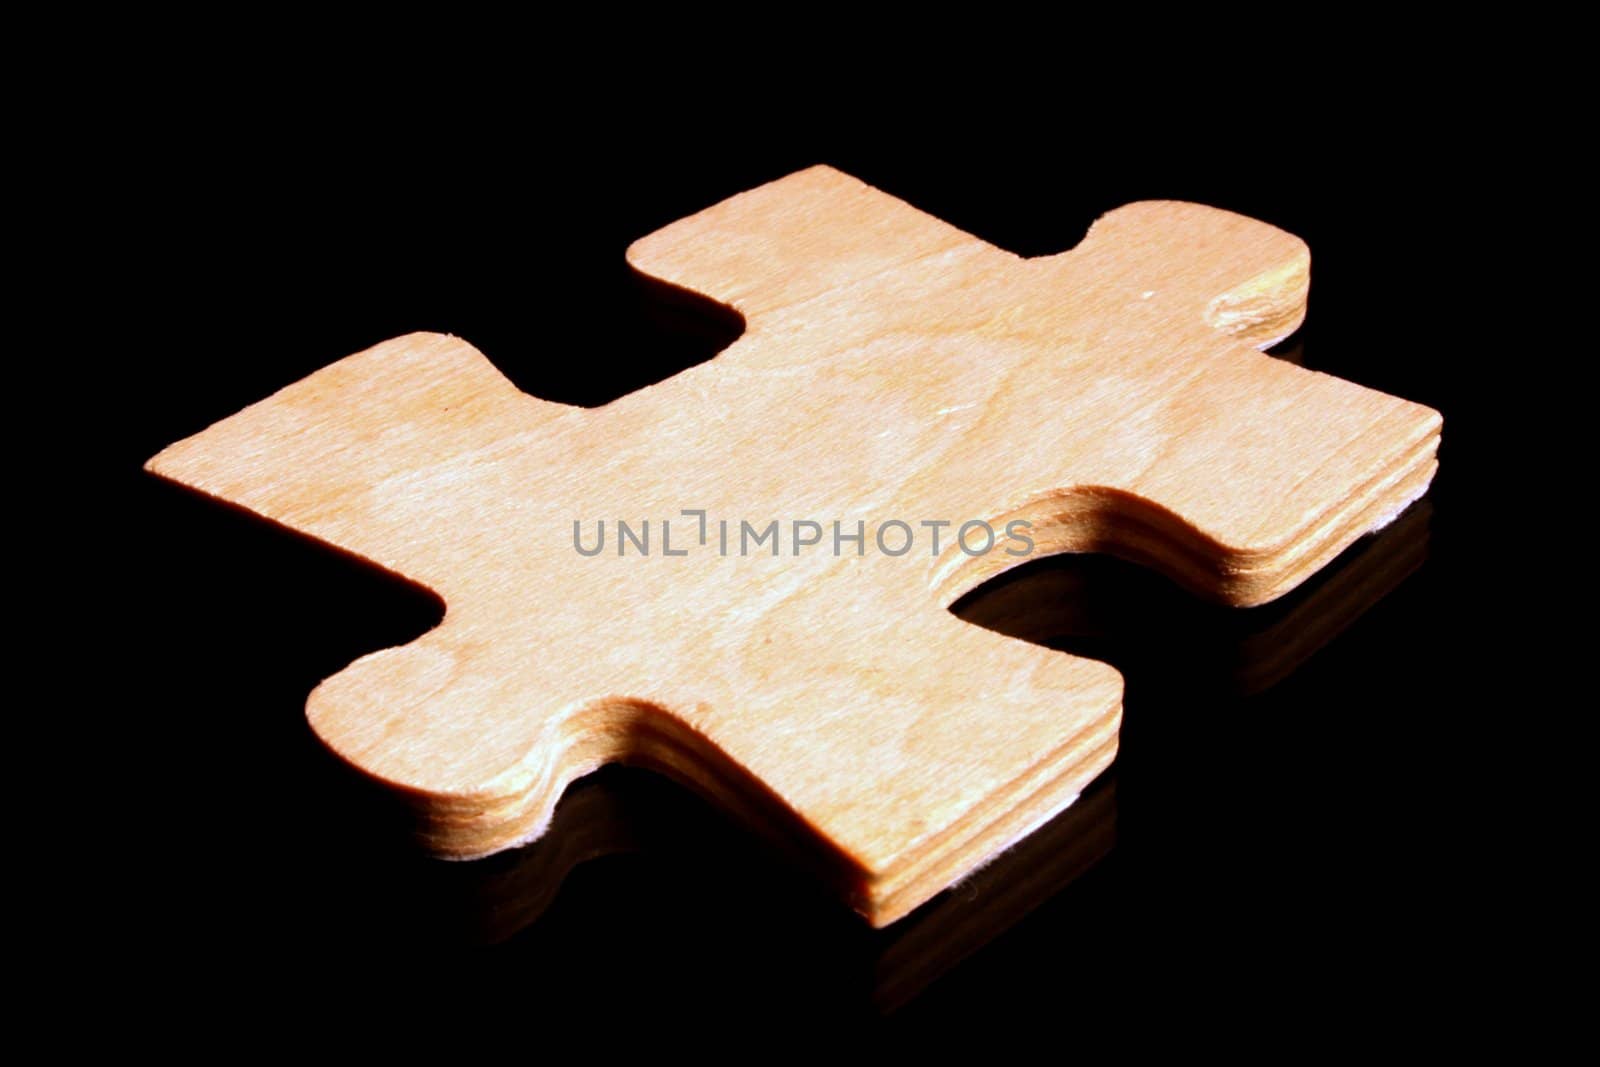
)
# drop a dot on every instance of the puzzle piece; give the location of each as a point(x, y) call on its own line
point(891, 368)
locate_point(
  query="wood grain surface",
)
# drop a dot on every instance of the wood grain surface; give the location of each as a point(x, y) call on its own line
point(892, 368)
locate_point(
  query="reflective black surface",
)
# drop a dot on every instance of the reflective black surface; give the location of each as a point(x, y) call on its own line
point(1288, 800)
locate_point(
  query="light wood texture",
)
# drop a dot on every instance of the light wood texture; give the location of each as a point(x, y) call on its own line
point(892, 368)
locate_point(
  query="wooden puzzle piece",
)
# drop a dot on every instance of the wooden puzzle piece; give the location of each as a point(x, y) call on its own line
point(892, 370)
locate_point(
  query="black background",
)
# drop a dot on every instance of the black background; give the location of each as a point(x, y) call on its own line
point(1314, 839)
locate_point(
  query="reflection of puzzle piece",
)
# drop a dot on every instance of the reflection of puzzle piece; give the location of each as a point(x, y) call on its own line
point(608, 815)
point(1133, 619)
point(892, 368)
